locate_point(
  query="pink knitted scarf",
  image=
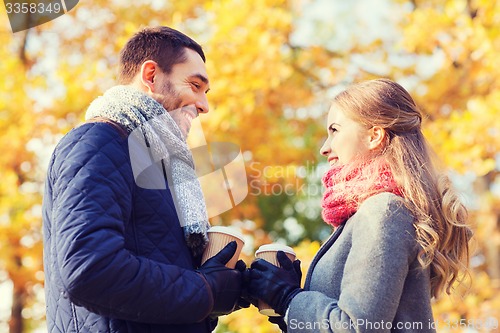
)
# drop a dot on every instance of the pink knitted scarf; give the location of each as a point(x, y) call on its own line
point(346, 191)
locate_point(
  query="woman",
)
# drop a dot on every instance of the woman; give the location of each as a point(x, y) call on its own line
point(400, 237)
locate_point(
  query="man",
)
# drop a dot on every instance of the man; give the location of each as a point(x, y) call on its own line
point(122, 245)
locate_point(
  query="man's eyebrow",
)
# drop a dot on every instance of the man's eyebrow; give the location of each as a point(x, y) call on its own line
point(201, 77)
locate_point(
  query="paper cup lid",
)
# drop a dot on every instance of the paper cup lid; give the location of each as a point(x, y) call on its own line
point(275, 248)
point(227, 230)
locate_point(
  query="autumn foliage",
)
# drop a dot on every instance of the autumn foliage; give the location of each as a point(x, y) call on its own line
point(273, 65)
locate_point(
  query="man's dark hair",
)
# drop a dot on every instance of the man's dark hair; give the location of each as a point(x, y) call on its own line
point(163, 45)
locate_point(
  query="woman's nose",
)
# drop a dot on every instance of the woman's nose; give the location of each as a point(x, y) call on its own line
point(325, 150)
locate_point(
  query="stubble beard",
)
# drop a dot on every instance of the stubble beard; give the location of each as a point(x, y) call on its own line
point(169, 98)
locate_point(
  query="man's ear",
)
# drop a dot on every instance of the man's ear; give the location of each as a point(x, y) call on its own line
point(377, 137)
point(149, 69)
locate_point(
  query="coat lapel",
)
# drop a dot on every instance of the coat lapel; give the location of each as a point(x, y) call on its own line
point(326, 246)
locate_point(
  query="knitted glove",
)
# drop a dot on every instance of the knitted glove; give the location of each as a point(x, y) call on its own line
point(275, 285)
point(225, 283)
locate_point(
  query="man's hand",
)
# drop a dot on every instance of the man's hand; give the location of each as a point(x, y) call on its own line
point(225, 283)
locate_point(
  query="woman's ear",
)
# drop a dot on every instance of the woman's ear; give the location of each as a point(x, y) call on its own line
point(148, 72)
point(377, 137)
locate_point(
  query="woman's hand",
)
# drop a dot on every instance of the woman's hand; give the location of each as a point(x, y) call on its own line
point(275, 285)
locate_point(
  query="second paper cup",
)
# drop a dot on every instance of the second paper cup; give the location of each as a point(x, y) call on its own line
point(268, 253)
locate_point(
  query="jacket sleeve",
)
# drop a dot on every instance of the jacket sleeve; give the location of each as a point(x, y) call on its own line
point(383, 246)
point(92, 192)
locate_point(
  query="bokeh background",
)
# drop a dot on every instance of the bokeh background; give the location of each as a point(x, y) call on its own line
point(274, 66)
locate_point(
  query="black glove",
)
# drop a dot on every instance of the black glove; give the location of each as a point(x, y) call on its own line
point(280, 321)
point(225, 283)
point(244, 301)
point(212, 323)
point(275, 285)
point(246, 298)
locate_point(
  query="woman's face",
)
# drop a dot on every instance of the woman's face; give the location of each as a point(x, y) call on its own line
point(347, 139)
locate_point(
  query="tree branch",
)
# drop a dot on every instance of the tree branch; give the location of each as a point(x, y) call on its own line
point(22, 49)
point(472, 12)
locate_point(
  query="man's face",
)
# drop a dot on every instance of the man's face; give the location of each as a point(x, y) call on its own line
point(183, 92)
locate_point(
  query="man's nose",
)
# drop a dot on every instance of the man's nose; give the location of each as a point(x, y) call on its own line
point(202, 105)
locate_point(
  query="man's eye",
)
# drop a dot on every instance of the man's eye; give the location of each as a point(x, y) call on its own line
point(196, 85)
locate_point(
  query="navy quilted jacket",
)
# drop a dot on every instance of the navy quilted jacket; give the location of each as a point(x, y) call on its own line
point(114, 254)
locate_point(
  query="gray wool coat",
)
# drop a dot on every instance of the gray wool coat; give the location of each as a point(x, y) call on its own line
point(366, 276)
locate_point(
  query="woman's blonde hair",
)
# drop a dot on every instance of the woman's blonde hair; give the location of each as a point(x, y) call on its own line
point(441, 219)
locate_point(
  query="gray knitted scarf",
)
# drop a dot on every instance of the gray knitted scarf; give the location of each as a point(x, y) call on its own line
point(152, 130)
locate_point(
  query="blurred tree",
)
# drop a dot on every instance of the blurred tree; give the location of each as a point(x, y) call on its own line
point(20, 235)
point(462, 97)
point(269, 94)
